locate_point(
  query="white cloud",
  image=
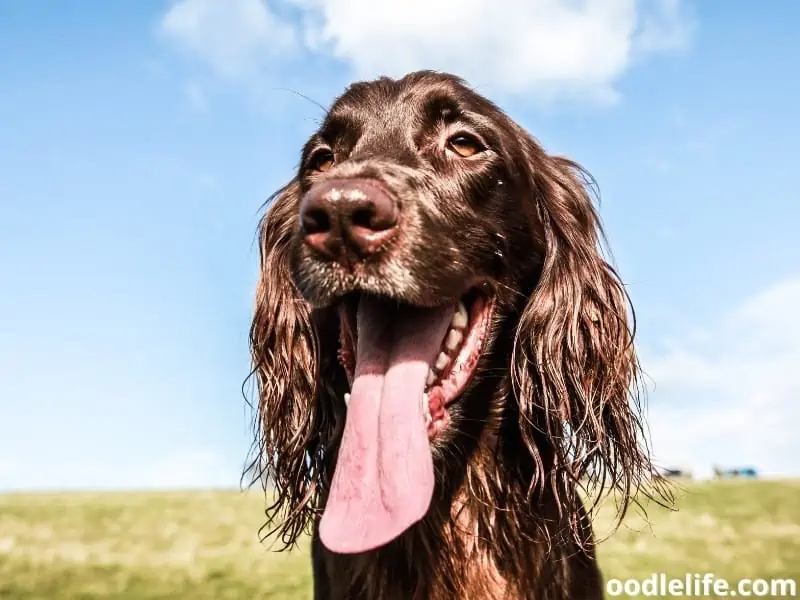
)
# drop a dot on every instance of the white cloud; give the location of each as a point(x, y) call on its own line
point(237, 38)
point(538, 49)
point(729, 394)
point(663, 28)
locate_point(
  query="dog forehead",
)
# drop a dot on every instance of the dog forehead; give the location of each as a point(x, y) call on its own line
point(377, 118)
point(375, 105)
point(419, 96)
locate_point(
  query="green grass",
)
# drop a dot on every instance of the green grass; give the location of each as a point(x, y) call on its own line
point(197, 545)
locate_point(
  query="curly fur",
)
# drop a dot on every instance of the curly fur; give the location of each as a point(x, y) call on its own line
point(551, 421)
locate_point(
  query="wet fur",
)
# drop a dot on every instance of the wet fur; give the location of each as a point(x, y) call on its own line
point(552, 412)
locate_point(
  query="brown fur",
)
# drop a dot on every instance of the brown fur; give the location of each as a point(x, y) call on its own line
point(554, 402)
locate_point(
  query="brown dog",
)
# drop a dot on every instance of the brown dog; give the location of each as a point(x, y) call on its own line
point(443, 355)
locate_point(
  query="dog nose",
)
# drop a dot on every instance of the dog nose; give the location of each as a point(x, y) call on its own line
point(344, 217)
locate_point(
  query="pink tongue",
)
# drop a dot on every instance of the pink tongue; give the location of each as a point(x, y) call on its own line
point(383, 482)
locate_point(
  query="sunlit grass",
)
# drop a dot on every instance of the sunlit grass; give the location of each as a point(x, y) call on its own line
point(197, 545)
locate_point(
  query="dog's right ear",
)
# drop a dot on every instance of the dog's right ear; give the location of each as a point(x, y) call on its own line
point(295, 415)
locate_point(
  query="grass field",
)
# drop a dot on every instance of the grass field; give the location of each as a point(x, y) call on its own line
point(197, 545)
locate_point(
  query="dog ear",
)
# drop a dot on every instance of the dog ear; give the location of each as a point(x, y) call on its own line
point(296, 412)
point(574, 368)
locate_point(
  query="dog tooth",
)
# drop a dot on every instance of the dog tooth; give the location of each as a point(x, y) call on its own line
point(460, 317)
point(431, 378)
point(453, 339)
point(347, 399)
point(442, 361)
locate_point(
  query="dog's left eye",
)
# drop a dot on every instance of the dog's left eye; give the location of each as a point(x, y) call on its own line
point(322, 161)
point(464, 145)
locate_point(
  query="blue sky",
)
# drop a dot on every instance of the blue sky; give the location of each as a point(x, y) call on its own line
point(139, 140)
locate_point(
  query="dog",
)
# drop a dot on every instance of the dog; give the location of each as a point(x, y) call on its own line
point(444, 360)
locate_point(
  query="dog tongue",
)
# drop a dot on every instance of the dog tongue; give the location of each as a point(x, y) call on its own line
point(383, 481)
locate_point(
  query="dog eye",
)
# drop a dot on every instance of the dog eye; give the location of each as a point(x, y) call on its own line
point(322, 161)
point(464, 145)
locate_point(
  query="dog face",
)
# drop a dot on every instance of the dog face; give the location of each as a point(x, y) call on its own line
point(442, 167)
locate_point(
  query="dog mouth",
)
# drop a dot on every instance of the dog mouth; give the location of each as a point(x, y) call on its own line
point(405, 364)
point(453, 366)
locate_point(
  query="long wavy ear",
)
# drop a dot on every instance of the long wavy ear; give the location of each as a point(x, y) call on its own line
point(574, 368)
point(296, 418)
